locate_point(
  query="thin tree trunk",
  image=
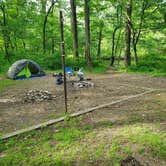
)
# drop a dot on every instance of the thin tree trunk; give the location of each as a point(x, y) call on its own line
point(135, 54)
point(44, 26)
point(113, 46)
point(52, 31)
point(128, 33)
point(44, 20)
point(23, 44)
point(100, 38)
point(117, 43)
point(119, 58)
point(11, 44)
point(5, 33)
point(74, 27)
point(136, 35)
point(52, 45)
point(87, 32)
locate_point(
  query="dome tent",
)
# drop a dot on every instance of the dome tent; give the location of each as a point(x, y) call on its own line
point(24, 68)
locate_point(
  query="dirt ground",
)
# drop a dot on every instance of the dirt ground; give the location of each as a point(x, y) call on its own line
point(14, 114)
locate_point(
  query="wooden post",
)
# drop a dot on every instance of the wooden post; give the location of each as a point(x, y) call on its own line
point(63, 57)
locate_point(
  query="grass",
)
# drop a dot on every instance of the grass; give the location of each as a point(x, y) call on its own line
point(5, 83)
point(78, 142)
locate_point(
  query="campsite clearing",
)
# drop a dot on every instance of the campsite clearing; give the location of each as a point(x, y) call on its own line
point(16, 114)
point(109, 135)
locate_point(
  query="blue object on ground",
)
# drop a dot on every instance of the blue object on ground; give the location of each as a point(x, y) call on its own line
point(69, 70)
point(59, 80)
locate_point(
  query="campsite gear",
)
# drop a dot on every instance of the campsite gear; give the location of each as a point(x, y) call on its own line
point(55, 74)
point(80, 75)
point(25, 68)
point(59, 80)
point(83, 84)
point(69, 72)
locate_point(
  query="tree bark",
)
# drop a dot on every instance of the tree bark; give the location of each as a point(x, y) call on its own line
point(5, 33)
point(44, 26)
point(52, 31)
point(87, 33)
point(44, 20)
point(23, 44)
point(137, 34)
point(74, 27)
point(119, 58)
point(100, 38)
point(117, 43)
point(128, 33)
point(113, 46)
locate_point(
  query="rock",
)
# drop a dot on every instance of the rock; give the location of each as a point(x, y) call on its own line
point(37, 96)
point(83, 84)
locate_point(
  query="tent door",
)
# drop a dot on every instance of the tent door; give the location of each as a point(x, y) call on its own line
point(25, 72)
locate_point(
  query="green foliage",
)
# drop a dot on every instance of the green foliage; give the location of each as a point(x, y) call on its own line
point(25, 31)
point(150, 63)
point(153, 141)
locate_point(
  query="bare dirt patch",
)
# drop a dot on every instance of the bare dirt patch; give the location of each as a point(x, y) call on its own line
point(107, 87)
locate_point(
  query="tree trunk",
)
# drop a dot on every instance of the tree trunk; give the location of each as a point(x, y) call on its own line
point(44, 26)
point(74, 27)
point(128, 33)
point(119, 58)
point(135, 54)
point(23, 44)
point(117, 43)
point(113, 46)
point(52, 45)
point(5, 33)
point(52, 31)
point(100, 38)
point(44, 20)
point(136, 34)
point(87, 32)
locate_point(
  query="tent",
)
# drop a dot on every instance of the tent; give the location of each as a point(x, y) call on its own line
point(25, 68)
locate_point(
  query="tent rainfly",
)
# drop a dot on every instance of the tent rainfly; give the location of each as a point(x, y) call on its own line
point(24, 68)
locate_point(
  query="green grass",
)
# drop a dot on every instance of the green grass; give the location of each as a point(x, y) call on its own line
point(155, 142)
point(5, 83)
point(84, 143)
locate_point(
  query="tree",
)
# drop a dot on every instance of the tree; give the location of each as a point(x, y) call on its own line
point(128, 33)
point(101, 25)
point(87, 33)
point(116, 26)
point(74, 27)
point(44, 25)
point(5, 32)
point(136, 32)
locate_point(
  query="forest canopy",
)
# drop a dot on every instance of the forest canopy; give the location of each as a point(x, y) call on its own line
point(128, 32)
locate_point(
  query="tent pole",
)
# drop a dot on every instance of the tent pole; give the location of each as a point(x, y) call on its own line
point(63, 57)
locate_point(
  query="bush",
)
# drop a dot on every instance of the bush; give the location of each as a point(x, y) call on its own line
point(150, 63)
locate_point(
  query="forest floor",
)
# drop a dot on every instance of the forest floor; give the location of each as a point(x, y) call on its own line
point(140, 120)
point(16, 114)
